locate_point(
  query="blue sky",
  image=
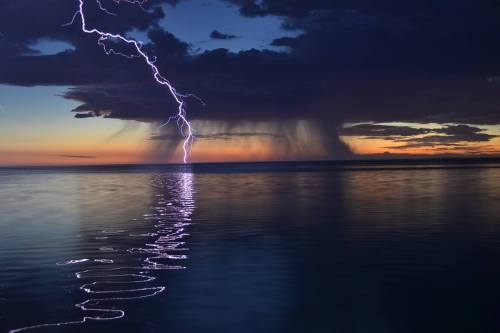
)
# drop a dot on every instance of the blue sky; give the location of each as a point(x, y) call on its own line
point(192, 21)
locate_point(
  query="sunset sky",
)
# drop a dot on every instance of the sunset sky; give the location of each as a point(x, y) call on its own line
point(281, 80)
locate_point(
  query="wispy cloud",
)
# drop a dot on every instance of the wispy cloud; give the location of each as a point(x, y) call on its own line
point(218, 136)
point(221, 35)
point(77, 156)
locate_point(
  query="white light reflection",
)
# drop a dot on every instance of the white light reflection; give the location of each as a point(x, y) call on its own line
point(168, 219)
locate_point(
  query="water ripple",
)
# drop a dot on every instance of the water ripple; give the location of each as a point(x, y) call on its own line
point(131, 283)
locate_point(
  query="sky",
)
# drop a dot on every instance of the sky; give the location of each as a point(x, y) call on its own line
point(279, 80)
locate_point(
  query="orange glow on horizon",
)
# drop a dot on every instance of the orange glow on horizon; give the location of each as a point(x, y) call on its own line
point(363, 146)
point(93, 145)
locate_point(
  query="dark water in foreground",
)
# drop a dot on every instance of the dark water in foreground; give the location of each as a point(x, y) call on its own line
point(251, 248)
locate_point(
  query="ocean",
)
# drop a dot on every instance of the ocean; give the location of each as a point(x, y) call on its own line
point(401, 246)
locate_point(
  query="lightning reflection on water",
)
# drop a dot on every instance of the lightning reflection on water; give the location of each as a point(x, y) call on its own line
point(163, 247)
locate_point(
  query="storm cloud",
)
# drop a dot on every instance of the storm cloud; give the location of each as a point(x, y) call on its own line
point(357, 61)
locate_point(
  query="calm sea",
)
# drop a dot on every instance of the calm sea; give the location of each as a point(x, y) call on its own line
point(277, 247)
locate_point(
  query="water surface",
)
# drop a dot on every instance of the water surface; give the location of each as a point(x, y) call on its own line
point(251, 248)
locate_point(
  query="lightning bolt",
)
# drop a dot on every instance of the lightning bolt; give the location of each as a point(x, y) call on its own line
point(183, 124)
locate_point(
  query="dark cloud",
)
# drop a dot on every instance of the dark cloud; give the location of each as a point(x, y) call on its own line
point(26, 20)
point(165, 44)
point(375, 130)
point(77, 156)
point(291, 8)
point(474, 150)
point(469, 133)
point(352, 61)
point(388, 35)
point(85, 115)
point(284, 41)
point(453, 136)
point(220, 35)
point(434, 140)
